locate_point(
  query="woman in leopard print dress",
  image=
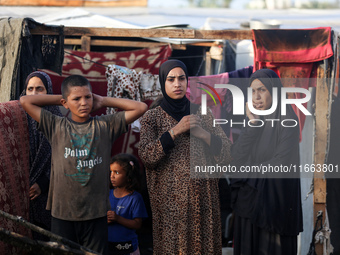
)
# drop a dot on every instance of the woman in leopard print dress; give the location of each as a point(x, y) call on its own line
point(185, 207)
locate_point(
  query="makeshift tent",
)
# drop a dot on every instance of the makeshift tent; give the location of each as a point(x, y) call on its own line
point(21, 53)
point(325, 71)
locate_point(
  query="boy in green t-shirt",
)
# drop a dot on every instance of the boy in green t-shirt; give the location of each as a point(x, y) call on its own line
point(81, 151)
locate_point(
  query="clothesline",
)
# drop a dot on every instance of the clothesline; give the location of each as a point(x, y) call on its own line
point(84, 59)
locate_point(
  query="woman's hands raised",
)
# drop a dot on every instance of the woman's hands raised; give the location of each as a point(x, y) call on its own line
point(191, 123)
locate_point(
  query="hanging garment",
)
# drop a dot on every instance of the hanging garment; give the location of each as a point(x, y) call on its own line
point(239, 78)
point(196, 85)
point(292, 54)
point(150, 87)
point(14, 169)
point(122, 82)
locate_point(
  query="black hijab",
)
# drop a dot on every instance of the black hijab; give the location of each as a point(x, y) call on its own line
point(176, 108)
point(43, 77)
point(270, 80)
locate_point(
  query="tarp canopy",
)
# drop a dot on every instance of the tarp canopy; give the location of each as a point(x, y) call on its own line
point(198, 18)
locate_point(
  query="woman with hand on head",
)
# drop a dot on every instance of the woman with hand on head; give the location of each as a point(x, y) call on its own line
point(40, 155)
point(185, 209)
point(267, 207)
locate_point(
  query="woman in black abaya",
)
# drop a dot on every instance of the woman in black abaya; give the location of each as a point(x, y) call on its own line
point(268, 213)
point(40, 155)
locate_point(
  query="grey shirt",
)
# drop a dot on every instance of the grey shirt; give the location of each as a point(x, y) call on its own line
point(80, 170)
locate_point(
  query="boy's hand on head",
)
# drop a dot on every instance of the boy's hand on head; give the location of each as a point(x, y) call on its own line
point(97, 102)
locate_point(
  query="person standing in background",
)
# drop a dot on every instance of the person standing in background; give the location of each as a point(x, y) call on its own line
point(39, 83)
point(268, 211)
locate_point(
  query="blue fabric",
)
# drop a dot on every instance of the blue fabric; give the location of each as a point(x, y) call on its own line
point(130, 207)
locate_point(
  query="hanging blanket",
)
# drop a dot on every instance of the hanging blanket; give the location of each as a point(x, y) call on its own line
point(93, 65)
point(10, 41)
point(292, 54)
point(14, 169)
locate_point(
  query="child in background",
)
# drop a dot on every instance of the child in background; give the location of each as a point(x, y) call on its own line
point(81, 152)
point(127, 205)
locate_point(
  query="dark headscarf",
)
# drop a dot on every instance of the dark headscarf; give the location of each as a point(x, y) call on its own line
point(270, 203)
point(270, 80)
point(43, 77)
point(177, 108)
point(268, 77)
point(40, 156)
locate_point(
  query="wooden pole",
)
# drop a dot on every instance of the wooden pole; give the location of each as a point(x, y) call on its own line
point(322, 124)
point(207, 63)
point(36, 247)
point(86, 43)
point(42, 231)
point(145, 33)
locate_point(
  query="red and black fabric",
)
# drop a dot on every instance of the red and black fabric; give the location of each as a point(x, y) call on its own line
point(14, 169)
point(292, 54)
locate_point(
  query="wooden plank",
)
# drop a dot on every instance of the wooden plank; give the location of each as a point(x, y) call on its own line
point(86, 43)
point(152, 33)
point(202, 44)
point(82, 3)
point(319, 190)
point(132, 44)
point(322, 122)
point(117, 32)
point(123, 32)
point(42, 2)
point(121, 3)
point(223, 34)
point(115, 43)
point(207, 63)
point(179, 46)
point(321, 134)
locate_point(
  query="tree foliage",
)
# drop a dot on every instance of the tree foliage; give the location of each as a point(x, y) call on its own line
point(210, 3)
point(320, 5)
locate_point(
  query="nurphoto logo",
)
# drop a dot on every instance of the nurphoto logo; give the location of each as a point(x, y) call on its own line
point(239, 103)
point(204, 97)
